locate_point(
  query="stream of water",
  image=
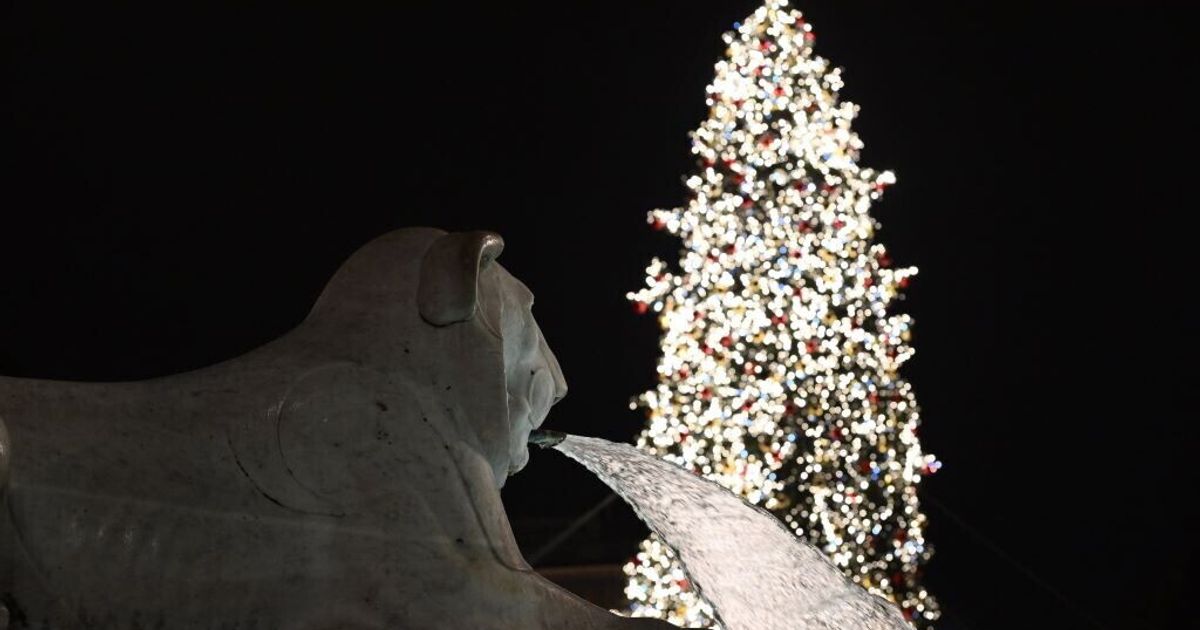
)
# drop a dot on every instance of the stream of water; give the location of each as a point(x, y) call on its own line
point(755, 572)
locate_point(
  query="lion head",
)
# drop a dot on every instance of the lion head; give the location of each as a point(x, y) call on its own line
point(460, 282)
point(436, 308)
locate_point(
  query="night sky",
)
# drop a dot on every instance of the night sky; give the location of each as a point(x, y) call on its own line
point(179, 183)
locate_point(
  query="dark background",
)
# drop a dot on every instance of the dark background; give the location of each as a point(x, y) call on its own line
point(180, 179)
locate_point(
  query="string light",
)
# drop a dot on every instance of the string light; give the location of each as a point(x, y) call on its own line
point(779, 373)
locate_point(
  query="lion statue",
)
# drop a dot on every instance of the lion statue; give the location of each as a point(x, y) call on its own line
point(343, 476)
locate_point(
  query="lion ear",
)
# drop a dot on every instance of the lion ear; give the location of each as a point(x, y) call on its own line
point(448, 291)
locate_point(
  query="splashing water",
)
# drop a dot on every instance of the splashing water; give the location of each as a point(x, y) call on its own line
point(757, 574)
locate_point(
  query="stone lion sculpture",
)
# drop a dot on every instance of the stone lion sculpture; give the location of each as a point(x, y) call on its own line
point(345, 475)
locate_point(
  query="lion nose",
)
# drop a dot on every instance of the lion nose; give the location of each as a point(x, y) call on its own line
point(560, 383)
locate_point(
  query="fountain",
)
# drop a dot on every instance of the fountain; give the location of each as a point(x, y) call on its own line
point(347, 476)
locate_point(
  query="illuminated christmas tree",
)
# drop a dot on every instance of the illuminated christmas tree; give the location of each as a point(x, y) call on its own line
point(779, 374)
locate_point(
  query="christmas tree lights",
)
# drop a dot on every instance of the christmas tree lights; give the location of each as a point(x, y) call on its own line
point(779, 376)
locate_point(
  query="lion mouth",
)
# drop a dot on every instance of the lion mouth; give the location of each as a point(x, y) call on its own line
point(519, 456)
